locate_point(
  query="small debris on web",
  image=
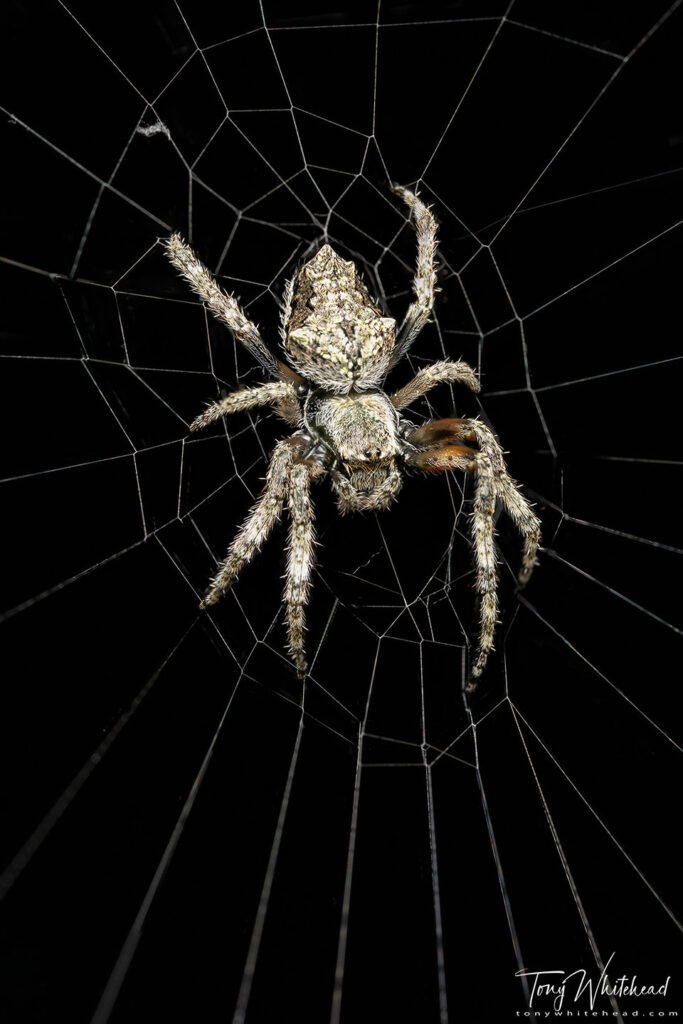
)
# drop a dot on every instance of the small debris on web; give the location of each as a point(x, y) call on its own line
point(158, 128)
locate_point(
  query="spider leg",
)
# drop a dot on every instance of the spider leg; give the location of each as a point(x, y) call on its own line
point(276, 391)
point(225, 307)
point(438, 460)
point(436, 433)
point(300, 560)
point(450, 457)
point(258, 523)
point(286, 310)
point(516, 505)
point(483, 535)
point(438, 373)
point(424, 282)
point(439, 432)
point(493, 482)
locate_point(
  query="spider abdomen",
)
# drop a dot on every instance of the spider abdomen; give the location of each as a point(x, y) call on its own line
point(335, 335)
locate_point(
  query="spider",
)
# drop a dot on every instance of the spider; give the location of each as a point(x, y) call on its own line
point(341, 348)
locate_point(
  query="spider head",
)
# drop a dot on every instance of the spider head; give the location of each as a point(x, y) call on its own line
point(336, 336)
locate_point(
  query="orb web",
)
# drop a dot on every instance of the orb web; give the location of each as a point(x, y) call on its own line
point(371, 844)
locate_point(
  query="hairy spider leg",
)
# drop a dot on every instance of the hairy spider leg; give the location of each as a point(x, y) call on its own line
point(516, 505)
point(443, 372)
point(439, 432)
point(278, 391)
point(424, 282)
point(258, 524)
point(225, 307)
point(492, 483)
point(300, 557)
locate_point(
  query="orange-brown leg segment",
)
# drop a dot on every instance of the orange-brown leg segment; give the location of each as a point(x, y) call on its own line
point(439, 460)
point(440, 432)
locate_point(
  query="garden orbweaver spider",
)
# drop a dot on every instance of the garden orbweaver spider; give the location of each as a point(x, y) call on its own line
point(341, 347)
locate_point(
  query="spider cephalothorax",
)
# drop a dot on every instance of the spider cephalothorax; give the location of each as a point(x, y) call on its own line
point(342, 347)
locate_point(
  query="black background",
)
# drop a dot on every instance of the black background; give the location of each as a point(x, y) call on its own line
point(157, 763)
